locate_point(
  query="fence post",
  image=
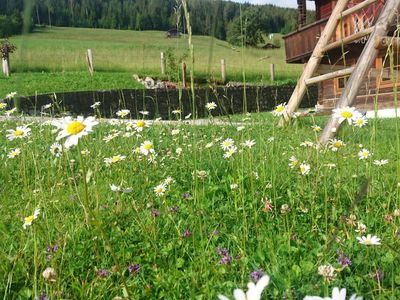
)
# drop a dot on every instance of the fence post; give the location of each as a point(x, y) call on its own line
point(89, 58)
point(184, 74)
point(272, 71)
point(162, 63)
point(6, 67)
point(223, 71)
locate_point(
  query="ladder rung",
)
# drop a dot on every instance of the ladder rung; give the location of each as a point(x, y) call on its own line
point(349, 39)
point(355, 8)
point(331, 75)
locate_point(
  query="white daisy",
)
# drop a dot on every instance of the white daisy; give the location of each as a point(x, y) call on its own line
point(144, 112)
point(139, 125)
point(74, 129)
point(226, 144)
point(336, 295)
point(335, 144)
point(95, 105)
point(294, 162)
point(160, 189)
point(3, 105)
point(114, 159)
point(316, 128)
point(56, 149)
point(364, 154)
point(211, 105)
point(345, 113)
point(230, 152)
point(360, 120)
point(14, 153)
point(123, 113)
point(254, 291)
point(249, 144)
point(381, 162)
point(18, 133)
point(11, 95)
point(28, 220)
point(280, 109)
point(304, 169)
point(369, 240)
point(147, 148)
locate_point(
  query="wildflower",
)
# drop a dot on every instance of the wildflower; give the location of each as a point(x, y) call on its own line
point(29, 220)
point(123, 113)
point(364, 154)
point(85, 152)
point(186, 233)
point(335, 144)
point(114, 122)
point(249, 143)
point(114, 159)
point(294, 162)
point(211, 105)
point(257, 275)
point(95, 105)
point(160, 189)
point(280, 109)
point(102, 273)
point(396, 212)
point(285, 209)
point(10, 111)
point(42, 296)
point(144, 112)
point(330, 165)
point(209, 145)
point(56, 149)
point(351, 220)
point(139, 125)
point(188, 116)
point(134, 268)
point(18, 133)
point(304, 169)
point(268, 207)
point(360, 120)
point(168, 180)
point(50, 274)
point(178, 151)
point(155, 213)
point(227, 144)
point(381, 162)
point(316, 128)
point(345, 113)
point(308, 144)
point(175, 131)
point(226, 258)
point(111, 136)
point(389, 218)
point(361, 228)
point(11, 95)
point(176, 112)
point(240, 128)
point(115, 188)
point(327, 271)
point(74, 129)
point(369, 240)
point(14, 153)
point(376, 275)
point(253, 293)
point(3, 105)
point(234, 186)
point(336, 295)
point(230, 152)
point(47, 106)
point(343, 259)
point(146, 148)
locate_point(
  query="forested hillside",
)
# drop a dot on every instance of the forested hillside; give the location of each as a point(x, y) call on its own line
point(208, 17)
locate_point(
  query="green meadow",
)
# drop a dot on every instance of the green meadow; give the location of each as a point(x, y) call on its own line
point(182, 219)
point(54, 59)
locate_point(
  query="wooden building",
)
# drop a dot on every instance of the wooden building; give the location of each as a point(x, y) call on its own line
point(378, 84)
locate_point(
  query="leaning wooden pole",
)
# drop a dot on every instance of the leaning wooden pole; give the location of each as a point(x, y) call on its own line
point(314, 60)
point(386, 19)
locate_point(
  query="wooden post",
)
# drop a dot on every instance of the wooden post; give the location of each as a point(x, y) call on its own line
point(272, 71)
point(364, 64)
point(383, 42)
point(162, 58)
point(315, 59)
point(183, 74)
point(89, 58)
point(223, 71)
point(6, 67)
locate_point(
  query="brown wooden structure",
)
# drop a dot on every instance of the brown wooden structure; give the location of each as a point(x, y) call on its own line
point(335, 59)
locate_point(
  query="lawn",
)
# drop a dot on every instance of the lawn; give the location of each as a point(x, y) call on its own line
point(56, 49)
point(192, 220)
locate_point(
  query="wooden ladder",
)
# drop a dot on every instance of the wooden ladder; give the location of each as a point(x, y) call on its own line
point(357, 73)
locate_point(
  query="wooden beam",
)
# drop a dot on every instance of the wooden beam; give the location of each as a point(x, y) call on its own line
point(325, 69)
point(356, 8)
point(335, 74)
point(349, 39)
point(364, 64)
point(314, 60)
point(383, 42)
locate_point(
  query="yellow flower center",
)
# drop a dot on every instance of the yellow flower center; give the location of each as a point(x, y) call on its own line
point(29, 219)
point(347, 114)
point(368, 242)
point(279, 109)
point(115, 159)
point(365, 154)
point(295, 163)
point(140, 123)
point(148, 146)
point(18, 132)
point(302, 169)
point(75, 127)
point(159, 190)
point(359, 121)
point(338, 144)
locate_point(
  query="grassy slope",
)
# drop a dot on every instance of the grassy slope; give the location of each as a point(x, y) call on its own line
point(63, 49)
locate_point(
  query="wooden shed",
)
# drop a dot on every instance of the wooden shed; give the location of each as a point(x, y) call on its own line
point(378, 85)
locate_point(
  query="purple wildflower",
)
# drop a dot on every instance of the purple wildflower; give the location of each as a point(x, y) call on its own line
point(186, 233)
point(215, 232)
point(226, 258)
point(186, 195)
point(343, 259)
point(52, 249)
point(134, 268)
point(42, 296)
point(174, 209)
point(256, 275)
point(155, 213)
point(102, 273)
